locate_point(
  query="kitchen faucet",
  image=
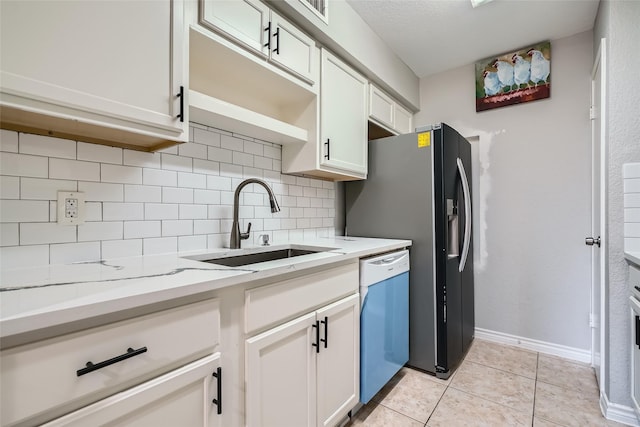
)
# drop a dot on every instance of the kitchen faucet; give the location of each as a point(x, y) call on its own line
point(236, 235)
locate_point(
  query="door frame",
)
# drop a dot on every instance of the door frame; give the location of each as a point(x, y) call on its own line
point(598, 278)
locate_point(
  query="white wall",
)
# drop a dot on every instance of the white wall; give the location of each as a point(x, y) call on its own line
point(532, 197)
point(617, 21)
point(146, 203)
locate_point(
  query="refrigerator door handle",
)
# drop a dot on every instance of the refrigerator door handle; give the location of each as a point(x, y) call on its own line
point(467, 215)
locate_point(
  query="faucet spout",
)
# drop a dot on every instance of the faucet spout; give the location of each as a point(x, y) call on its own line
point(236, 235)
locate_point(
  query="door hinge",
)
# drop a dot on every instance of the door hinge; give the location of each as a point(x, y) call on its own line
point(593, 112)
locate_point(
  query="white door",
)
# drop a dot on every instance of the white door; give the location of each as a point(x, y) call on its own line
point(280, 375)
point(598, 224)
point(343, 116)
point(244, 21)
point(292, 49)
point(338, 360)
point(173, 399)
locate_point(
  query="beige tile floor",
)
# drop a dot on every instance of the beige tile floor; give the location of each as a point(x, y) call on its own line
point(495, 385)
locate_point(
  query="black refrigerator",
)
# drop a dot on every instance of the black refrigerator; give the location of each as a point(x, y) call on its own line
point(419, 188)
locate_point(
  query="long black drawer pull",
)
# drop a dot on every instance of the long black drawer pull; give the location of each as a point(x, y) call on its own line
point(94, 367)
point(268, 37)
point(317, 343)
point(638, 331)
point(218, 401)
point(277, 36)
point(325, 322)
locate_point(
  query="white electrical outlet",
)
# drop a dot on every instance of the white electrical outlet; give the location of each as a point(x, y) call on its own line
point(70, 208)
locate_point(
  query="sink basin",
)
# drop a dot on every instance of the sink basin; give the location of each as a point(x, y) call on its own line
point(258, 255)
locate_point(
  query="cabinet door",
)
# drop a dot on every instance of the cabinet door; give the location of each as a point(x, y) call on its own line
point(343, 116)
point(292, 49)
point(180, 398)
point(338, 360)
point(108, 63)
point(403, 120)
point(281, 375)
point(381, 107)
point(244, 21)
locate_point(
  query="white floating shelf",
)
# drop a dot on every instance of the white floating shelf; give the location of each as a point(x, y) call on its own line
point(214, 112)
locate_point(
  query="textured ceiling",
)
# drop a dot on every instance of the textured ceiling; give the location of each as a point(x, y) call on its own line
point(431, 36)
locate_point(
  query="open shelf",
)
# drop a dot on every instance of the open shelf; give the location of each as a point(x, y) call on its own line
point(211, 111)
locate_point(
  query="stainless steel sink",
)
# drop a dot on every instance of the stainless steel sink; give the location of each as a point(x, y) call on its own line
point(258, 255)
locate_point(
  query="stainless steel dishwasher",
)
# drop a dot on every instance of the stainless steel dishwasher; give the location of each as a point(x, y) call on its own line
point(384, 320)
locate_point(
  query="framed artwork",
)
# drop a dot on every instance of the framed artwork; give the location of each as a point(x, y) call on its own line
point(514, 77)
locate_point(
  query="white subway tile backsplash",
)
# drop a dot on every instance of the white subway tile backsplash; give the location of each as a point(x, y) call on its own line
point(24, 165)
point(632, 185)
point(99, 153)
point(121, 248)
point(161, 245)
point(13, 257)
point(142, 193)
point(112, 211)
point(206, 167)
point(121, 174)
point(207, 226)
point(101, 192)
point(108, 230)
point(36, 233)
point(159, 177)
point(632, 215)
point(220, 155)
point(209, 197)
point(231, 143)
point(176, 163)
point(46, 146)
point(9, 235)
point(191, 149)
point(202, 136)
point(74, 252)
point(147, 203)
point(177, 195)
point(192, 180)
point(219, 183)
point(192, 243)
point(632, 200)
point(74, 170)
point(9, 187)
point(632, 244)
point(192, 211)
point(631, 170)
point(138, 229)
point(141, 159)
point(160, 211)
point(44, 189)
point(24, 211)
point(8, 141)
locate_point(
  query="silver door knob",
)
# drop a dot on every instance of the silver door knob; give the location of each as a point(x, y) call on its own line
point(590, 241)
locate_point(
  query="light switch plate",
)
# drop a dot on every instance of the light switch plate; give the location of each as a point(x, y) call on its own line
point(71, 209)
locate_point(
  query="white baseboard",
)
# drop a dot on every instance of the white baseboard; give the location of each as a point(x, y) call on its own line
point(566, 352)
point(619, 413)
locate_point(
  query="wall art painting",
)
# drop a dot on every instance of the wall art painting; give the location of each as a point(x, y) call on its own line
point(514, 77)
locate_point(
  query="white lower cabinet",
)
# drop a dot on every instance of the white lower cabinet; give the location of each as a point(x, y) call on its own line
point(183, 397)
point(306, 371)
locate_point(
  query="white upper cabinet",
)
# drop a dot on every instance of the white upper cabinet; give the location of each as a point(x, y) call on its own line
point(252, 24)
point(343, 117)
point(386, 112)
point(102, 71)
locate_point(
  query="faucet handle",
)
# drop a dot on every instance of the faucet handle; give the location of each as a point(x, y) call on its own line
point(245, 236)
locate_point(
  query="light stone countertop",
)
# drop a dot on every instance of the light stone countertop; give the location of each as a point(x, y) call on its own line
point(633, 257)
point(49, 296)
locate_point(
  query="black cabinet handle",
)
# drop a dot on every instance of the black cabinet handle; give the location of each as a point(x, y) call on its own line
point(277, 36)
point(326, 156)
point(637, 288)
point(218, 401)
point(181, 96)
point(325, 322)
point(94, 367)
point(268, 31)
point(317, 343)
point(638, 331)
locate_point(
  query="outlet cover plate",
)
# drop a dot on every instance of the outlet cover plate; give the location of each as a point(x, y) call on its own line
point(71, 209)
